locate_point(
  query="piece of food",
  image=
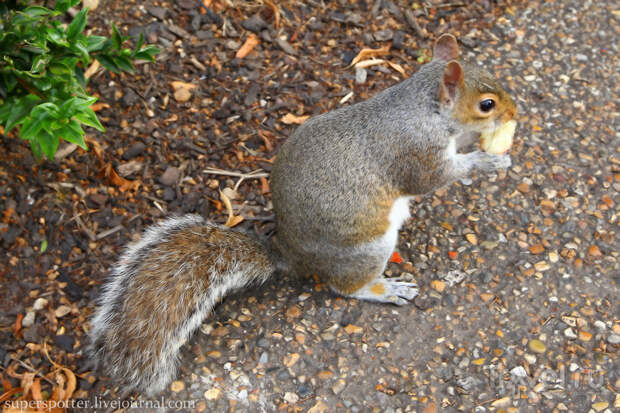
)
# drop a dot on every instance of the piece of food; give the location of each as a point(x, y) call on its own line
point(498, 141)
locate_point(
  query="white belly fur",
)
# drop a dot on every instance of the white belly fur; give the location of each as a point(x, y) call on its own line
point(398, 215)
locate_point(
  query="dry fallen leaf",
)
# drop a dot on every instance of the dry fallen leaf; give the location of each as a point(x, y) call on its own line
point(177, 84)
point(370, 62)
point(250, 43)
point(366, 53)
point(290, 119)
point(95, 145)
point(276, 13)
point(116, 180)
point(94, 66)
point(233, 219)
point(396, 67)
point(96, 107)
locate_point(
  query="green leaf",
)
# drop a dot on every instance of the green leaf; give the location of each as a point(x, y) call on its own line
point(78, 24)
point(146, 53)
point(85, 103)
point(81, 49)
point(72, 132)
point(57, 36)
point(21, 108)
point(43, 246)
point(139, 43)
point(89, 118)
point(40, 62)
point(117, 38)
point(94, 43)
point(50, 108)
point(5, 111)
point(10, 81)
point(33, 49)
point(68, 108)
point(40, 117)
point(36, 149)
point(108, 63)
point(59, 68)
point(124, 63)
point(43, 84)
point(64, 5)
point(48, 143)
point(36, 11)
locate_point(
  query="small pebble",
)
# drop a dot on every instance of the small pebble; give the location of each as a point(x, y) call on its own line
point(290, 397)
point(170, 176)
point(569, 333)
point(65, 342)
point(537, 346)
point(62, 311)
point(28, 320)
point(182, 95)
point(39, 304)
point(177, 386)
point(360, 75)
point(213, 394)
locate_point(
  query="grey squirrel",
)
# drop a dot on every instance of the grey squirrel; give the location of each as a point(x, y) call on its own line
point(340, 187)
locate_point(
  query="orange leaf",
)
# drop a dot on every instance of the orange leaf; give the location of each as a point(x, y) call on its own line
point(264, 186)
point(233, 221)
point(7, 394)
point(250, 43)
point(396, 258)
point(366, 53)
point(96, 107)
point(71, 383)
point(122, 183)
point(453, 255)
point(266, 136)
point(396, 67)
point(289, 119)
point(95, 145)
point(35, 390)
point(26, 382)
point(6, 384)
point(177, 84)
point(17, 327)
point(276, 13)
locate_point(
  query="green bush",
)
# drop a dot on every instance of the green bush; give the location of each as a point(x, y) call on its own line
point(42, 64)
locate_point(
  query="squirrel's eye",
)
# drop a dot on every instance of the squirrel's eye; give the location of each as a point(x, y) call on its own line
point(486, 105)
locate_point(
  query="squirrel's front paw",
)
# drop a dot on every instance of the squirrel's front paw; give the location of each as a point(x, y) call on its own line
point(502, 161)
point(489, 162)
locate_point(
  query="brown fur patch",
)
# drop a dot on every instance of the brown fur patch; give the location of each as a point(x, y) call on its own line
point(349, 284)
point(373, 222)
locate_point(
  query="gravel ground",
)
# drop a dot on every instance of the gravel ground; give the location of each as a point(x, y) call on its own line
point(518, 270)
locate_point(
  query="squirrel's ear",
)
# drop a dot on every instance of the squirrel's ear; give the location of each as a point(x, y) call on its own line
point(446, 48)
point(451, 81)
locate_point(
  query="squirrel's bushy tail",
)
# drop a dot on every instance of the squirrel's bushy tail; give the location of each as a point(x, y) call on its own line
point(161, 290)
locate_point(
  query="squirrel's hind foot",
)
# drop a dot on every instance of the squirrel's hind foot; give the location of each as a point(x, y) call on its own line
point(387, 290)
